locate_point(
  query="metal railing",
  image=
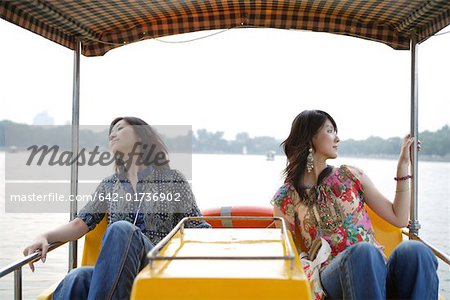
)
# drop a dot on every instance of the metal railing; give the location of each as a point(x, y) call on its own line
point(16, 267)
point(153, 254)
point(444, 257)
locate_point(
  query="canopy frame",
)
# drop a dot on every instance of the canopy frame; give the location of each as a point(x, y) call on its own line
point(414, 224)
point(75, 136)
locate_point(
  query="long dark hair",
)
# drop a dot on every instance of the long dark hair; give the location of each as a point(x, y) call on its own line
point(297, 145)
point(151, 143)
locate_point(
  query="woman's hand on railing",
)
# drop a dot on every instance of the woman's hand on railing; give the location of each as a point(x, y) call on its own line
point(67, 232)
point(40, 243)
point(406, 150)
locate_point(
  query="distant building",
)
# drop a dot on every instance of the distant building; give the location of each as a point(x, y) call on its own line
point(43, 118)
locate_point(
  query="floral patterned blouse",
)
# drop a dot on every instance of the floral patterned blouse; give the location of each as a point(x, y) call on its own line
point(334, 210)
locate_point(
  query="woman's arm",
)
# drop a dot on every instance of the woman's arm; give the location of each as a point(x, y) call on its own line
point(277, 213)
point(293, 229)
point(67, 232)
point(88, 217)
point(396, 213)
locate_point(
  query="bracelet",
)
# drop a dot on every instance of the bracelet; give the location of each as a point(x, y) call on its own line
point(402, 191)
point(402, 178)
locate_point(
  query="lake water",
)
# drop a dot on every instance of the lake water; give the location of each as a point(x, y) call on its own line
point(223, 180)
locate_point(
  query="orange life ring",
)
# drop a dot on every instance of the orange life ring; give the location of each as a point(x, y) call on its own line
point(240, 211)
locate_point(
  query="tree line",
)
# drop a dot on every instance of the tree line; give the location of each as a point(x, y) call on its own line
point(434, 144)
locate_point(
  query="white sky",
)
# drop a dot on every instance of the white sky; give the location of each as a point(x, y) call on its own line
point(254, 80)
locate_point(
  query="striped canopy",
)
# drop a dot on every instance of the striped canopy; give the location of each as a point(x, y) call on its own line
point(102, 25)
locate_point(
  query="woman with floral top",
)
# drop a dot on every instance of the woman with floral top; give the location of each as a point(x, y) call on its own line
point(134, 227)
point(320, 201)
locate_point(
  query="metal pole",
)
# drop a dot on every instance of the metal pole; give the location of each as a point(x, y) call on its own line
point(414, 225)
point(73, 257)
point(18, 284)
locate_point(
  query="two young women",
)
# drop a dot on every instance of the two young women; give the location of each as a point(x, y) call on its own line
point(317, 200)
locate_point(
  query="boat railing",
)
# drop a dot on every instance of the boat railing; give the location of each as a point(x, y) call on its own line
point(444, 257)
point(16, 267)
point(153, 254)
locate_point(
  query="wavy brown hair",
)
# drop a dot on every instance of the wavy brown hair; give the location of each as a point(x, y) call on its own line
point(296, 147)
point(151, 143)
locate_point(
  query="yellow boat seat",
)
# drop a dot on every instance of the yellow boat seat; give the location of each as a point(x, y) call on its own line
point(93, 243)
point(386, 234)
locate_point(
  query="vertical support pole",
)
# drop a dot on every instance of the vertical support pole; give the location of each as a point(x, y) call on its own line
point(73, 257)
point(18, 284)
point(414, 225)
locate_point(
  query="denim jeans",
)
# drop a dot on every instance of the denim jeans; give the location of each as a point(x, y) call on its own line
point(361, 272)
point(123, 255)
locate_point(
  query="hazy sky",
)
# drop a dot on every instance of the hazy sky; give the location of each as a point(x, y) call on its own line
point(254, 80)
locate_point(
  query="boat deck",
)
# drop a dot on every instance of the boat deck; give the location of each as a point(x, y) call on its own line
point(255, 267)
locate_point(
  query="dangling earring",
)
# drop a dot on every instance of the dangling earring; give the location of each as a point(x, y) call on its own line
point(310, 161)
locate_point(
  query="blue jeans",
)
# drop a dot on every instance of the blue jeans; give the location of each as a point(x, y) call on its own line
point(361, 272)
point(123, 255)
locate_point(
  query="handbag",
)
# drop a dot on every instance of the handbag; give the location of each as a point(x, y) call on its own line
point(318, 253)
